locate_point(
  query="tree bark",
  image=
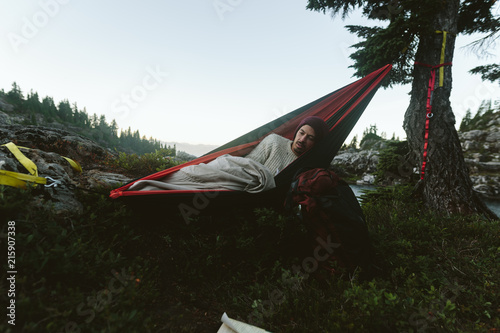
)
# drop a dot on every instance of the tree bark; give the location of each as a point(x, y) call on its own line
point(446, 186)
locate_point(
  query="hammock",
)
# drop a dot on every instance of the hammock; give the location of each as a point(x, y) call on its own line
point(340, 109)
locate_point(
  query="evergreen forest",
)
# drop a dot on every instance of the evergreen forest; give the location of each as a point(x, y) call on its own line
point(46, 112)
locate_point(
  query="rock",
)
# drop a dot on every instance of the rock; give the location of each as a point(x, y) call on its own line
point(470, 145)
point(357, 162)
point(489, 191)
point(6, 106)
point(478, 157)
point(4, 119)
point(487, 185)
point(51, 144)
point(98, 179)
point(493, 122)
point(85, 151)
point(474, 135)
point(367, 179)
point(6, 162)
point(493, 137)
point(56, 170)
point(489, 166)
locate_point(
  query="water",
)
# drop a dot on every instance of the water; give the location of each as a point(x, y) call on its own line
point(494, 205)
point(358, 190)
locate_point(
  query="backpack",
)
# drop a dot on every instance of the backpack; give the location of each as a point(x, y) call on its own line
point(334, 219)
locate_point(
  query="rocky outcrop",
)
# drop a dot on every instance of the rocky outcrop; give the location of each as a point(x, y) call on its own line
point(361, 164)
point(56, 170)
point(482, 153)
point(488, 186)
point(4, 118)
point(95, 179)
point(481, 149)
point(481, 145)
point(58, 141)
point(48, 145)
point(6, 106)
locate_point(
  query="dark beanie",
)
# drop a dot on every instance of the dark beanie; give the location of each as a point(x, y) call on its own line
point(320, 127)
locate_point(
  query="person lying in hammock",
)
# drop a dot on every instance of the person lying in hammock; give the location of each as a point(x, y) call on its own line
point(276, 152)
point(252, 173)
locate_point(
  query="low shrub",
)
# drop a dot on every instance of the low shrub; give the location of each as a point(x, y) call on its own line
point(110, 270)
point(136, 165)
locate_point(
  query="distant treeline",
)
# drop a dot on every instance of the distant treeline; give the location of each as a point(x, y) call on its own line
point(46, 112)
point(481, 120)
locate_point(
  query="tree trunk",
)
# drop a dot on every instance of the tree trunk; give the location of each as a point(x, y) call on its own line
point(446, 186)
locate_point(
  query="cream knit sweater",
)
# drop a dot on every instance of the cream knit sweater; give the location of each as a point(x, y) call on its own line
point(274, 152)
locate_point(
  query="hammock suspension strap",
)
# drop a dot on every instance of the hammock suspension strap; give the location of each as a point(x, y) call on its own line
point(17, 179)
point(430, 93)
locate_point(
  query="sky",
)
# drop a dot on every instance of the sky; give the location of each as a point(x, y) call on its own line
point(202, 71)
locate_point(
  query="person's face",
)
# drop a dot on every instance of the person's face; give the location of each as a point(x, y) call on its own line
point(304, 140)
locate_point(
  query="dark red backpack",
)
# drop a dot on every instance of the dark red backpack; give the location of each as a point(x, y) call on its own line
point(333, 216)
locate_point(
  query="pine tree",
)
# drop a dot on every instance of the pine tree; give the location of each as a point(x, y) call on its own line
point(15, 97)
point(84, 118)
point(488, 72)
point(76, 117)
point(64, 111)
point(32, 103)
point(354, 142)
point(94, 121)
point(419, 34)
point(49, 108)
point(465, 124)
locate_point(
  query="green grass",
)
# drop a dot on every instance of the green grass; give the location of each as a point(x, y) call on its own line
point(112, 270)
